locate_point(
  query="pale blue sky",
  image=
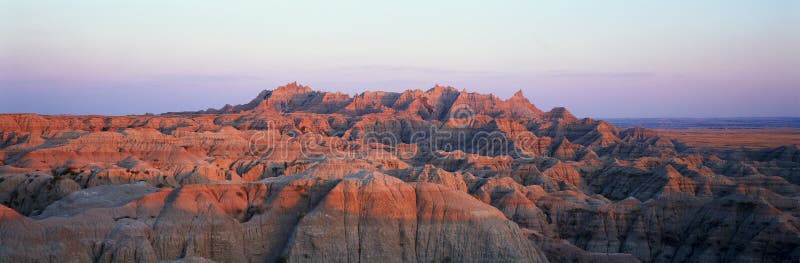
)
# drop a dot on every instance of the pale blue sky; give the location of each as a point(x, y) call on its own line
point(600, 59)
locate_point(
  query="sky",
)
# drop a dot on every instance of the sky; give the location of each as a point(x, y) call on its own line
point(724, 58)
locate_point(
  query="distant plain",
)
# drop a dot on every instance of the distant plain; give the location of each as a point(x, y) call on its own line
point(723, 133)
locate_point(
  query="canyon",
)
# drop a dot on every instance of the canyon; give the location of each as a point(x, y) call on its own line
point(437, 175)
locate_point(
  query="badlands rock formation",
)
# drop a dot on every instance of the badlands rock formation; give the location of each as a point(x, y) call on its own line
point(420, 176)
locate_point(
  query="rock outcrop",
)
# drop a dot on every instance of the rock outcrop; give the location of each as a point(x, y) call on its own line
point(364, 216)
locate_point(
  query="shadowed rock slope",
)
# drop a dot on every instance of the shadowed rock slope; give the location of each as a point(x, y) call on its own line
point(416, 176)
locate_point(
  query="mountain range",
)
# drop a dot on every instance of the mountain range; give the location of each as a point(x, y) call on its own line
point(439, 175)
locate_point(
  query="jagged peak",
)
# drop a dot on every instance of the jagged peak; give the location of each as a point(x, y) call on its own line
point(438, 100)
point(559, 110)
point(374, 92)
point(518, 94)
point(561, 113)
point(293, 87)
point(441, 88)
point(264, 94)
point(519, 97)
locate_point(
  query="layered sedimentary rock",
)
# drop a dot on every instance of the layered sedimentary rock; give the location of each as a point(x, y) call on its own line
point(430, 176)
point(359, 216)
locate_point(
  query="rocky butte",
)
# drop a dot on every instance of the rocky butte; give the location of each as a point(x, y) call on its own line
point(419, 176)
